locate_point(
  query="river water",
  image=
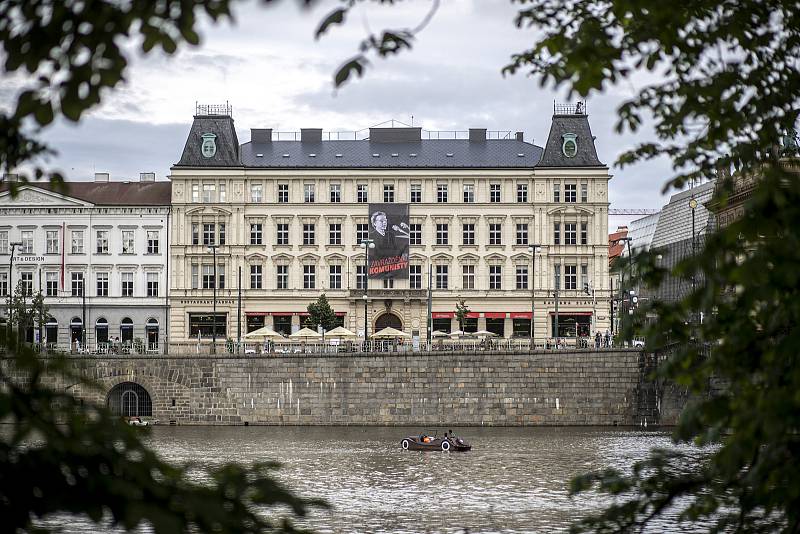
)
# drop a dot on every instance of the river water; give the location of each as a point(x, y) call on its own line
point(514, 480)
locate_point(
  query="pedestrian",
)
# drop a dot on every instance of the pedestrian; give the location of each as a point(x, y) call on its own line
point(598, 340)
point(608, 339)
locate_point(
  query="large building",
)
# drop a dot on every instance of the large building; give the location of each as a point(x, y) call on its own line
point(289, 213)
point(98, 253)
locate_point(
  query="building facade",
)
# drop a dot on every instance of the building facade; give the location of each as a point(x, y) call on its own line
point(288, 218)
point(98, 252)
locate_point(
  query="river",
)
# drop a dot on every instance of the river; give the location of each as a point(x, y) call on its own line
point(513, 481)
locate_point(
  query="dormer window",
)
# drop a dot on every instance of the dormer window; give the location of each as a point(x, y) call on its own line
point(569, 145)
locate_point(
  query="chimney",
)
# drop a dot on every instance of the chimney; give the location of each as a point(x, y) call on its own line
point(101, 177)
point(477, 135)
point(261, 135)
point(519, 136)
point(310, 135)
point(147, 177)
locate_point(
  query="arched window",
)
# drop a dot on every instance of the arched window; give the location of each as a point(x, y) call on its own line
point(51, 330)
point(101, 330)
point(126, 330)
point(129, 399)
point(152, 334)
point(75, 330)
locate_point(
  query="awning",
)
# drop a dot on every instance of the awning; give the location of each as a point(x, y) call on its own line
point(520, 315)
point(473, 315)
point(567, 314)
point(494, 315)
point(256, 314)
point(443, 315)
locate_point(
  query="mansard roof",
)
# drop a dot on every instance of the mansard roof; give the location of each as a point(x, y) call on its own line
point(110, 193)
point(570, 122)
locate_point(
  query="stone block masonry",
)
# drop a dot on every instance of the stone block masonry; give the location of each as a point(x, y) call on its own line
point(436, 389)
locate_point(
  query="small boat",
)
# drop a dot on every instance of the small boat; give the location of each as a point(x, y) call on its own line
point(425, 442)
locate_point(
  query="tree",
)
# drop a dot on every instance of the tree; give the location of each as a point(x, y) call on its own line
point(461, 313)
point(321, 313)
point(25, 314)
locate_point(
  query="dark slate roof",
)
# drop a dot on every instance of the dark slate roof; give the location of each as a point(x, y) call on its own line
point(587, 153)
point(429, 153)
point(112, 193)
point(227, 154)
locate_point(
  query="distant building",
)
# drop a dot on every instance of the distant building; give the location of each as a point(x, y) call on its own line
point(97, 252)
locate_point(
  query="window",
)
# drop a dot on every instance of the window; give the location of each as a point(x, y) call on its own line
point(222, 196)
point(441, 276)
point(195, 276)
point(495, 234)
point(388, 283)
point(416, 193)
point(415, 276)
point(360, 276)
point(26, 236)
point(469, 193)
point(522, 277)
point(282, 276)
point(283, 193)
point(584, 233)
point(282, 237)
point(309, 237)
point(557, 275)
point(362, 232)
point(335, 272)
point(52, 241)
point(495, 277)
point(4, 284)
point(585, 278)
point(570, 237)
point(127, 284)
point(221, 276)
point(128, 242)
point(77, 242)
point(208, 277)
point(388, 192)
point(494, 193)
point(3, 241)
point(195, 193)
point(468, 276)
point(26, 279)
point(415, 234)
point(442, 237)
point(570, 192)
point(152, 242)
point(208, 193)
point(441, 193)
point(102, 284)
point(256, 193)
point(255, 276)
point(102, 241)
point(570, 277)
point(255, 233)
point(468, 233)
point(584, 192)
point(522, 193)
point(522, 234)
point(309, 276)
point(195, 233)
point(308, 193)
point(336, 193)
point(335, 233)
point(209, 229)
point(556, 233)
point(152, 284)
point(361, 193)
point(77, 283)
point(221, 234)
point(51, 284)
point(556, 192)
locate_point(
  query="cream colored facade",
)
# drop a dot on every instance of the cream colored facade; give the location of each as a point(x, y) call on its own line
point(243, 197)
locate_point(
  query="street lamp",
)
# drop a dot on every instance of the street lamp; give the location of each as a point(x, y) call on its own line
point(533, 249)
point(10, 277)
point(366, 244)
point(213, 250)
point(622, 280)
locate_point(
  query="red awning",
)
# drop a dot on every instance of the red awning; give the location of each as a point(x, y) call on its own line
point(473, 315)
point(256, 314)
point(567, 314)
point(282, 314)
point(443, 315)
point(494, 315)
point(340, 314)
point(520, 315)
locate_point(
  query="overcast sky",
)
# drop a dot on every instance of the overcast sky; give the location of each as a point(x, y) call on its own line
point(275, 75)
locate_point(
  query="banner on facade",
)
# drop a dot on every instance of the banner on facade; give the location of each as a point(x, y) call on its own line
point(390, 231)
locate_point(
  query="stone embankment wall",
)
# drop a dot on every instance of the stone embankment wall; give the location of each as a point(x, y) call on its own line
point(541, 388)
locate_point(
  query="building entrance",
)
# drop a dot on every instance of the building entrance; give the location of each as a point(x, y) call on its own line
point(388, 320)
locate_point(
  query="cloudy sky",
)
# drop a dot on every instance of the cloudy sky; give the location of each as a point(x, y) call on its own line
point(273, 72)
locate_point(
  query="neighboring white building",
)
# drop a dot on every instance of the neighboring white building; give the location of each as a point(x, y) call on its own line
point(111, 237)
point(290, 215)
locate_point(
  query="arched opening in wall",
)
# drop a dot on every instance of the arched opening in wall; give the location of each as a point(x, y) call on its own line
point(126, 331)
point(388, 320)
point(75, 331)
point(130, 400)
point(152, 334)
point(101, 331)
point(51, 330)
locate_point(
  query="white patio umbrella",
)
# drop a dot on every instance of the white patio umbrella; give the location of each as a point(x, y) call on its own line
point(305, 333)
point(439, 333)
point(485, 333)
point(389, 333)
point(264, 332)
point(461, 333)
point(341, 333)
